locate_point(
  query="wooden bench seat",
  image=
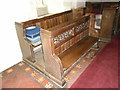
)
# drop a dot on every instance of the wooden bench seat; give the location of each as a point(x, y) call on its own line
point(75, 52)
point(64, 39)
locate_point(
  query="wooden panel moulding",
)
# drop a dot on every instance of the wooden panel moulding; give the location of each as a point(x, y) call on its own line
point(54, 21)
point(72, 41)
point(62, 48)
point(34, 21)
point(60, 19)
point(107, 24)
point(51, 22)
point(38, 24)
point(67, 44)
point(71, 55)
point(57, 50)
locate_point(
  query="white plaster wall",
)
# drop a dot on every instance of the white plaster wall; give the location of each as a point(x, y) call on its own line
point(56, 6)
point(103, 0)
point(11, 11)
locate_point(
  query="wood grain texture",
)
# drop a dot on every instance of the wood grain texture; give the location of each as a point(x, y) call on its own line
point(66, 52)
point(92, 31)
point(49, 21)
point(107, 24)
point(75, 52)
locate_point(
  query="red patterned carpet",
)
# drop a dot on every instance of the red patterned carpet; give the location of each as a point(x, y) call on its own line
point(103, 71)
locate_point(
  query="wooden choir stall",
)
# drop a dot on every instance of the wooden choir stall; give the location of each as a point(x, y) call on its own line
point(54, 44)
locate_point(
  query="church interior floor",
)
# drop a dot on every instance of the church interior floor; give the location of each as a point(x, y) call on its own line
point(23, 75)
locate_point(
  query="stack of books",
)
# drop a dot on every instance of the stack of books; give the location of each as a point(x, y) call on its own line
point(33, 35)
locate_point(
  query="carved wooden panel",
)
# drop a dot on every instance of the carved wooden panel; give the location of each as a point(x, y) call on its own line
point(57, 51)
point(62, 48)
point(72, 41)
point(50, 21)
